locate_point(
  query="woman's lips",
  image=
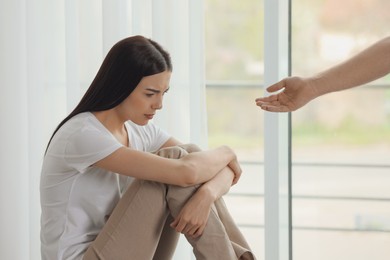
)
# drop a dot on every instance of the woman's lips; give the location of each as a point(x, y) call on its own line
point(149, 116)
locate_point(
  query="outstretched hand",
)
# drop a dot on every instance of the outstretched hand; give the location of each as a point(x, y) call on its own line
point(295, 93)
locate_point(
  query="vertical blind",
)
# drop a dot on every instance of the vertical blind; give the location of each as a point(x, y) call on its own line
point(50, 52)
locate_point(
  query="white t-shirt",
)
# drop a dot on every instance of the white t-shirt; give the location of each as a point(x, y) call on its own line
point(77, 198)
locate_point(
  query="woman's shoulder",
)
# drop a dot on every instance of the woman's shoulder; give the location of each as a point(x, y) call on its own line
point(84, 122)
point(81, 129)
point(83, 136)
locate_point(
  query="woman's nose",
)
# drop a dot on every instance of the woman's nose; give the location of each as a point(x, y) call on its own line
point(158, 104)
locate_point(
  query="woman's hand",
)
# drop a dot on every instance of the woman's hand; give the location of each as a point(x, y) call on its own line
point(193, 217)
point(236, 168)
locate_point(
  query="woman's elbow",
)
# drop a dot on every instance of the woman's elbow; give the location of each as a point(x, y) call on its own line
point(188, 175)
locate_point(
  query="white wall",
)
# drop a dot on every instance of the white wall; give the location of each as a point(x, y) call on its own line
point(50, 51)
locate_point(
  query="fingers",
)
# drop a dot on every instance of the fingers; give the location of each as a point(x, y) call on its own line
point(193, 230)
point(270, 98)
point(236, 178)
point(236, 168)
point(277, 86)
point(272, 108)
point(196, 231)
point(265, 102)
point(180, 225)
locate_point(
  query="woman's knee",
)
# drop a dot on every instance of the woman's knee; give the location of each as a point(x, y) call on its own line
point(190, 148)
point(172, 152)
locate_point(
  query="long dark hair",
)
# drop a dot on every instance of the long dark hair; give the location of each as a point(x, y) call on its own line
point(128, 61)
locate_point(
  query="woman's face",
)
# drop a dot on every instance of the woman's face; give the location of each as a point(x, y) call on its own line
point(142, 104)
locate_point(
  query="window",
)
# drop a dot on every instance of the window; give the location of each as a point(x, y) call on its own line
point(340, 142)
point(234, 77)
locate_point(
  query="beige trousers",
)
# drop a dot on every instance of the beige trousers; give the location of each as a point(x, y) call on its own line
point(138, 228)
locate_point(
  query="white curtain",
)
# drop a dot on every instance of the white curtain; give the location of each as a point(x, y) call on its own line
point(50, 52)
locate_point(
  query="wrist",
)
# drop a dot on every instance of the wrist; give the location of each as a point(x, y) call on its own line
point(207, 193)
point(317, 86)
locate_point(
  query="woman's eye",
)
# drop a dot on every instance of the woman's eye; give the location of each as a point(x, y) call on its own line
point(149, 95)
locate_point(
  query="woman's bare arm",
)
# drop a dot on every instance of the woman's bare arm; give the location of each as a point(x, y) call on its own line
point(192, 219)
point(195, 168)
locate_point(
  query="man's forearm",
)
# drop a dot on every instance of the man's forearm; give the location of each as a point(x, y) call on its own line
point(368, 65)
